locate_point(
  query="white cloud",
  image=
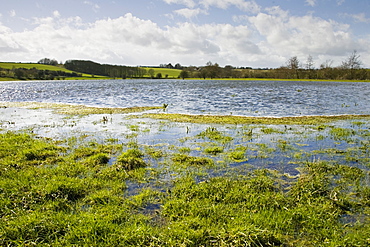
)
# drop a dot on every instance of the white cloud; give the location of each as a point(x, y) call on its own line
point(340, 2)
point(187, 3)
point(267, 39)
point(56, 14)
point(311, 3)
point(247, 6)
point(12, 13)
point(190, 13)
point(95, 7)
point(8, 44)
point(130, 40)
point(293, 35)
point(361, 17)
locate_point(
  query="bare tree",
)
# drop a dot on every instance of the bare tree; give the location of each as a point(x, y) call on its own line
point(310, 67)
point(293, 64)
point(310, 63)
point(327, 64)
point(352, 62)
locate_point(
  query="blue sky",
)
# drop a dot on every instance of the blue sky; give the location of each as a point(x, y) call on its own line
point(256, 33)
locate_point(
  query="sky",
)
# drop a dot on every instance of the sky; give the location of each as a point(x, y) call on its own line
point(241, 33)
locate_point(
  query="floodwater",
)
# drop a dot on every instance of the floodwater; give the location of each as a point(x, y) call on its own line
point(276, 148)
point(215, 97)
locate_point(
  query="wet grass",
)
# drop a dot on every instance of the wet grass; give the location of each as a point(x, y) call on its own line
point(209, 119)
point(228, 181)
point(77, 109)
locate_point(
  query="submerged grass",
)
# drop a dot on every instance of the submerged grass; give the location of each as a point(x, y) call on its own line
point(77, 109)
point(204, 192)
point(209, 119)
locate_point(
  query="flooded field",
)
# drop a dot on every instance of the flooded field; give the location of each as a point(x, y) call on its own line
point(245, 98)
point(156, 178)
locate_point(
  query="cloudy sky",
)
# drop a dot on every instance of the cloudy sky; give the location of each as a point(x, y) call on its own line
point(256, 33)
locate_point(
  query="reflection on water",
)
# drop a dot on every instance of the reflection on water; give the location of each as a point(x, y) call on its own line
point(248, 98)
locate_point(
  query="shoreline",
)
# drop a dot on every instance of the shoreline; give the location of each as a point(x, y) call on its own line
point(70, 109)
point(186, 79)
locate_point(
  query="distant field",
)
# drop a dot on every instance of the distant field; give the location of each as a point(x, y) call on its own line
point(33, 65)
point(41, 67)
point(172, 73)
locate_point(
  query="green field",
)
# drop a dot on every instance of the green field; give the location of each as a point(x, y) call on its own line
point(166, 73)
point(46, 67)
point(172, 73)
point(33, 65)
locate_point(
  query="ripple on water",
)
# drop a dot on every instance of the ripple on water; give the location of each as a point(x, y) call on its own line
point(251, 98)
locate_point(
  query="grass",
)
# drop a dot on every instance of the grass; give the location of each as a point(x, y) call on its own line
point(172, 73)
point(33, 65)
point(43, 67)
point(211, 119)
point(204, 190)
point(77, 109)
point(274, 79)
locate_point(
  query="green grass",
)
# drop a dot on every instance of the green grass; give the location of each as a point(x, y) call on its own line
point(275, 79)
point(58, 195)
point(33, 65)
point(209, 119)
point(47, 67)
point(118, 192)
point(7, 79)
point(77, 109)
point(172, 73)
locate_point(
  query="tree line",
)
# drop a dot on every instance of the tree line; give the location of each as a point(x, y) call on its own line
point(350, 69)
point(114, 71)
point(36, 74)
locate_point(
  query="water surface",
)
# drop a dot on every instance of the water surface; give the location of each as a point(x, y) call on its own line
point(216, 97)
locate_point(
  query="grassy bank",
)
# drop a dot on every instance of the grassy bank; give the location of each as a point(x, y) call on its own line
point(274, 79)
point(215, 181)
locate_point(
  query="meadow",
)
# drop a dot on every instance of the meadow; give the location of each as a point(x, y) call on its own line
point(166, 73)
point(182, 180)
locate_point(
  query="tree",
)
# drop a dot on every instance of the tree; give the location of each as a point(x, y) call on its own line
point(184, 74)
point(327, 64)
point(151, 72)
point(228, 71)
point(310, 67)
point(169, 66)
point(326, 70)
point(352, 62)
point(293, 64)
point(309, 63)
point(48, 61)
